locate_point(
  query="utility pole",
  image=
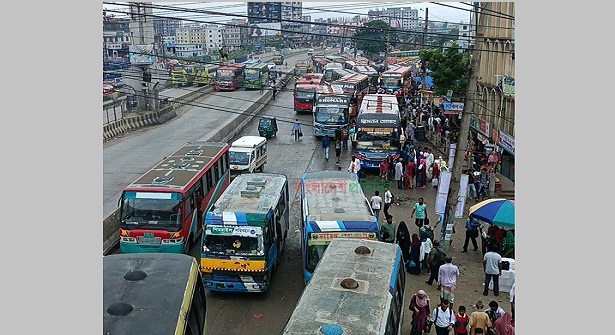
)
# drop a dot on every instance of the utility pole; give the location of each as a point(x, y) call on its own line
point(425, 27)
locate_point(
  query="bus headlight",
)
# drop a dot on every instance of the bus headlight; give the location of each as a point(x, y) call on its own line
point(172, 240)
point(129, 240)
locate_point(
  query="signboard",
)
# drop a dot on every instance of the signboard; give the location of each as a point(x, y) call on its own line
point(507, 142)
point(461, 198)
point(326, 238)
point(245, 231)
point(495, 136)
point(345, 87)
point(484, 127)
point(372, 121)
point(453, 106)
point(377, 131)
point(141, 54)
point(443, 187)
point(508, 85)
point(451, 156)
point(265, 29)
point(474, 122)
point(332, 100)
point(449, 95)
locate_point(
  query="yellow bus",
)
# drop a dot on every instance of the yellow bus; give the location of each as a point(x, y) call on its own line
point(205, 74)
point(153, 294)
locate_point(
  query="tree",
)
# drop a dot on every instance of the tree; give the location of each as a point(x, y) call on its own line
point(373, 36)
point(450, 70)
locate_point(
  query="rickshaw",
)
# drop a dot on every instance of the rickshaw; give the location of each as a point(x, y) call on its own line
point(267, 127)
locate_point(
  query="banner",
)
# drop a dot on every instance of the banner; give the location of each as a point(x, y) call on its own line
point(507, 142)
point(141, 54)
point(265, 29)
point(461, 197)
point(443, 187)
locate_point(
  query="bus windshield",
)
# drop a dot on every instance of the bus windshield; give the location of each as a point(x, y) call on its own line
point(390, 81)
point(251, 74)
point(330, 115)
point(239, 158)
point(224, 74)
point(304, 95)
point(371, 142)
point(163, 213)
point(232, 244)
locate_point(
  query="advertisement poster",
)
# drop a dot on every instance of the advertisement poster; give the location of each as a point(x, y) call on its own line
point(443, 187)
point(461, 198)
point(507, 142)
point(141, 54)
point(265, 29)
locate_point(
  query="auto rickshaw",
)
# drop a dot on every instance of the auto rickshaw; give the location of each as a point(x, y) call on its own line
point(267, 127)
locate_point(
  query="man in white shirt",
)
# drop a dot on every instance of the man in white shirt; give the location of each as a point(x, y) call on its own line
point(443, 318)
point(375, 202)
point(484, 228)
point(354, 167)
point(492, 264)
point(388, 200)
point(447, 279)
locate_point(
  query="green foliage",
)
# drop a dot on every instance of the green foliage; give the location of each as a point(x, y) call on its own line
point(450, 70)
point(372, 37)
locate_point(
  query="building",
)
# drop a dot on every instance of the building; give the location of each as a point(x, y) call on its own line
point(493, 117)
point(166, 27)
point(264, 12)
point(234, 34)
point(189, 41)
point(464, 39)
point(212, 38)
point(404, 18)
point(116, 37)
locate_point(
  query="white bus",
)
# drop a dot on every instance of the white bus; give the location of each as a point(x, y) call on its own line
point(358, 288)
point(248, 154)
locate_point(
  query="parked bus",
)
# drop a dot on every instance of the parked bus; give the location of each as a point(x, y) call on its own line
point(302, 67)
point(278, 59)
point(245, 234)
point(312, 78)
point(182, 75)
point(205, 74)
point(372, 74)
point(337, 74)
point(230, 77)
point(319, 64)
point(378, 126)
point(153, 294)
point(331, 110)
point(349, 65)
point(328, 70)
point(396, 78)
point(304, 94)
point(332, 205)
point(355, 85)
point(404, 55)
point(163, 210)
point(256, 76)
point(358, 288)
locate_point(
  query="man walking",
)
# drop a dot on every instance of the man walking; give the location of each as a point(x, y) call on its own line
point(296, 129)
point(435, 260)
point(388, 230)
point(375, 202)
point(420, 209)
point(447, 278)
point(443, 318)
point(326, 143)
point(388, 200)
point(338, 151)
point(471, 233)
point(354, 166)
point(492, 264)
point(345, 136)
point(479, 319)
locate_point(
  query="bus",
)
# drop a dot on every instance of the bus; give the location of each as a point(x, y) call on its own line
point(230, 77)
point(356, 85)
point(319, 64)
point(312, 78)
point(256, 76)
point(182, 75)
point(336, 74)
point(372, 74)
point(114, 77)
point(302, 67)
point(328, 70)
point(304, 93)
point(378, 129)
point(278, 59)
point(358, 288)
point(164, 209)
point(403, 56)
point(205, 73)
point(153, 294)
point(396, 78)
point(245, 234)
point(332, 205)
point(331, 110)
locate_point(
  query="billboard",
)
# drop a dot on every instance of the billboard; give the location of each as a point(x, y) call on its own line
point(265, 29)
point(142, 54)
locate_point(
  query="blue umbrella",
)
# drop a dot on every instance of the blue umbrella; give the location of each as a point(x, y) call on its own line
point(498, 212)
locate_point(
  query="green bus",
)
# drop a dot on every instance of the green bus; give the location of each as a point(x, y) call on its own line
point(256, 76)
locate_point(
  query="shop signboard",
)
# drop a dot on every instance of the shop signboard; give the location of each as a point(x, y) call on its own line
point(474, 122)
point(141, 54)
point(507, 142)
point(453, 107)
point(495, 136)
point(484, 127)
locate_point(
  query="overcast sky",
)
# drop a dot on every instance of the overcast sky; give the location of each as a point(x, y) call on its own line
point(443, 11)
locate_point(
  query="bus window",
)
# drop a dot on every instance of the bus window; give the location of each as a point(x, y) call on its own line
point(226, 161)
point(217, 173)
point(210, 180)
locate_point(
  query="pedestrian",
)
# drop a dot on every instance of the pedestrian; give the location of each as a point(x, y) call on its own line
point(420, 170)
point(354, 167)
point(435, 260)
point(512, 301)
point(338, 151)
point(388, 200)
point(461, 321)
point(391, 166)
point(388, 230)
point(504, 325)
point(492, 264)
point(411, 170)
point(375, 202)
point(338, 133)
point(484, 233)
point(420, 209)
point(426, 247)
point(419, 305)
point(326, 143)
point(414, 266)
point(494, 311)
point(443, 318)
point(472, 226)
point(403, 240)
point(479, 320)
point(399, 172)
point(483, 191)
point(472, 194)
point(345, 137)
point(447, 279)
point(384, 169)
point(297, 130)
point(352, 134)
point(273, 88)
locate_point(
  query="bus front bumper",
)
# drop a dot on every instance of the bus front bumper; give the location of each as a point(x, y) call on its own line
point(240, 284)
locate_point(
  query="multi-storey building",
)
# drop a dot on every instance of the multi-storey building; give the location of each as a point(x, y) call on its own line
point(166, 27)
point(189, 41)
point(493, 117)
point(116, 37)
point(404, 18)
point(234, 34)
point(264, 12)
point(212, 38)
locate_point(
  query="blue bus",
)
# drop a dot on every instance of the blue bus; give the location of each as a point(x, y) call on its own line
point(114, 77)
point(357, 288)
point(378, 129)
point(332, 205)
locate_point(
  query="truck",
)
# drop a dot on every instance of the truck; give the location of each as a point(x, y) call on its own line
point(248, 154)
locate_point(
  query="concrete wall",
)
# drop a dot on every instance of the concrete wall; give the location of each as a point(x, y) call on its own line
point(228, 131)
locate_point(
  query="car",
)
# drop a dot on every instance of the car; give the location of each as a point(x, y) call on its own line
point(310, 52)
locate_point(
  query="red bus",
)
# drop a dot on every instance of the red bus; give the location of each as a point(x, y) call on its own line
point(303, 95)
point(230, 77)
point(312, 78)
point(396, 78)
point(356, 85)
point(164, 209)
